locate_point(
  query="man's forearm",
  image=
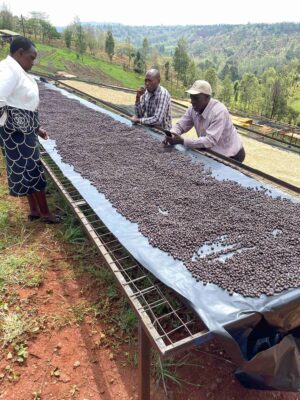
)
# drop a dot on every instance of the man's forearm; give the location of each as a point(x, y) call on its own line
point(139, 112)
point(150, 120)
point(199, 143)
point(177, 129)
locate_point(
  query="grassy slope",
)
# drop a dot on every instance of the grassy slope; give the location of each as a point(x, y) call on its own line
point(55, 59)
point(52, 59)
point(58, 58)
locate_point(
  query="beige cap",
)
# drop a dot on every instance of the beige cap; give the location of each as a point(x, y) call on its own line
point(200, 87)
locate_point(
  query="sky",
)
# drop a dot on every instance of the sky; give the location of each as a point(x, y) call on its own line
point(161, 12)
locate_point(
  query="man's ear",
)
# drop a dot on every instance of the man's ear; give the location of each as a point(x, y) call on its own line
point(20, 52)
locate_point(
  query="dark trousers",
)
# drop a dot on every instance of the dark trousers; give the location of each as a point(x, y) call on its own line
point(240, 156)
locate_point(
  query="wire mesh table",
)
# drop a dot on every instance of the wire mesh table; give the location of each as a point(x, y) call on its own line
point(165, 322)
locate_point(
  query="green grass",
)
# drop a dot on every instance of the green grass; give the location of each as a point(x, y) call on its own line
point(13, 326)
point(52, 59)
point(22, 269)
point(11, 225)
point(58, 58)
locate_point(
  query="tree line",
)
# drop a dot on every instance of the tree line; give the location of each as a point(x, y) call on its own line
point(35, 25)
point(266, 93)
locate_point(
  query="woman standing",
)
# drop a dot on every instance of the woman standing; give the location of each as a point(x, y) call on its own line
point(19, 129)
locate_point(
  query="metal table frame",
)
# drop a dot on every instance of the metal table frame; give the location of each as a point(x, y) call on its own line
point(155, 305)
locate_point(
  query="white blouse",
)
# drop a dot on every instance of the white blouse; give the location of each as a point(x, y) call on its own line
point(17, 88)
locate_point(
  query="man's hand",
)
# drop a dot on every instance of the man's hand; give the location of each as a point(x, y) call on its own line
point(43, 134)
point(174, 139)
point(139, 94)
point(135, 119)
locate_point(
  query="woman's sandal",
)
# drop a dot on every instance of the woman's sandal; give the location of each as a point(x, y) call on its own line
point(32, 217)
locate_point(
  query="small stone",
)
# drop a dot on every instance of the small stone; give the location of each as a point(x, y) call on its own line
point(76, 364)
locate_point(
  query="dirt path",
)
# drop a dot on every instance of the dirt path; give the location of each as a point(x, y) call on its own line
point(67, 314)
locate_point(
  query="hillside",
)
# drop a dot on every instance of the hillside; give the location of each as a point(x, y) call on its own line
point(252, 47)
point(52, 59)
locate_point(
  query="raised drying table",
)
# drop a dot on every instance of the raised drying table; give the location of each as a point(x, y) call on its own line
point(164, 319)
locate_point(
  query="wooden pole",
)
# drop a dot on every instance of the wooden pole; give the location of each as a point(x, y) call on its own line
point(23, 27)
point(144, 364)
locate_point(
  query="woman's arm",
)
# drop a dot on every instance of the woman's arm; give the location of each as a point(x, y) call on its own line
point(43, 134)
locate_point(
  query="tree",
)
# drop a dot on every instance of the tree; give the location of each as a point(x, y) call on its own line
point(80, 39)
point(48, 31)
point(292, 116)
point(192, 73)
point(34, 24)
point(227, 90)
point(181, 60)
point(68, 37)
point(278, 99)
point(110, 45)
point(91, 39)
point(167, 71)
point(139, 63)
point(231, 70)
point(236, 89)
point(130, 52)
point(211, 76)
point(154, 59)
point(145, 51)
point(267, 81)
point(250, 93)
point(6, 18)
point(100, 38)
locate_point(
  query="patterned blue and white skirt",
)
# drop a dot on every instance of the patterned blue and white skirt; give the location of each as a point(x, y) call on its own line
point(20, 147)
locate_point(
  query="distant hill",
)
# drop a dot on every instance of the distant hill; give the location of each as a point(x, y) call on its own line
point(252, 47)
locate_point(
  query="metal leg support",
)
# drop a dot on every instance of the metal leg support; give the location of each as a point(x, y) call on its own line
point(144, 364)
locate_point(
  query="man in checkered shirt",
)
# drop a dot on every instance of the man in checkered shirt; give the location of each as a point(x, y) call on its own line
point(153, 105)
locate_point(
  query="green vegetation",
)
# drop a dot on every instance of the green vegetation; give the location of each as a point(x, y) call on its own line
point(17, 269)
point(252, 68)
point(110, 45)
point(295, 102)
point(252, 47)
point(56, 59)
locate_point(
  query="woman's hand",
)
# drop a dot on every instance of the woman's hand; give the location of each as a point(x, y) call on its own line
point(43, 134)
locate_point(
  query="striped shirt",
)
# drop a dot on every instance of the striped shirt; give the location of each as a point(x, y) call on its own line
point(155, 108)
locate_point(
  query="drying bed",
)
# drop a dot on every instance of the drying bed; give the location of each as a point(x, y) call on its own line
point(241, 239)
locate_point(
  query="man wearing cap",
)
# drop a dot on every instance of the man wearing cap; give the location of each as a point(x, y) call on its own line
point(212, 123)
point(153, 105)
